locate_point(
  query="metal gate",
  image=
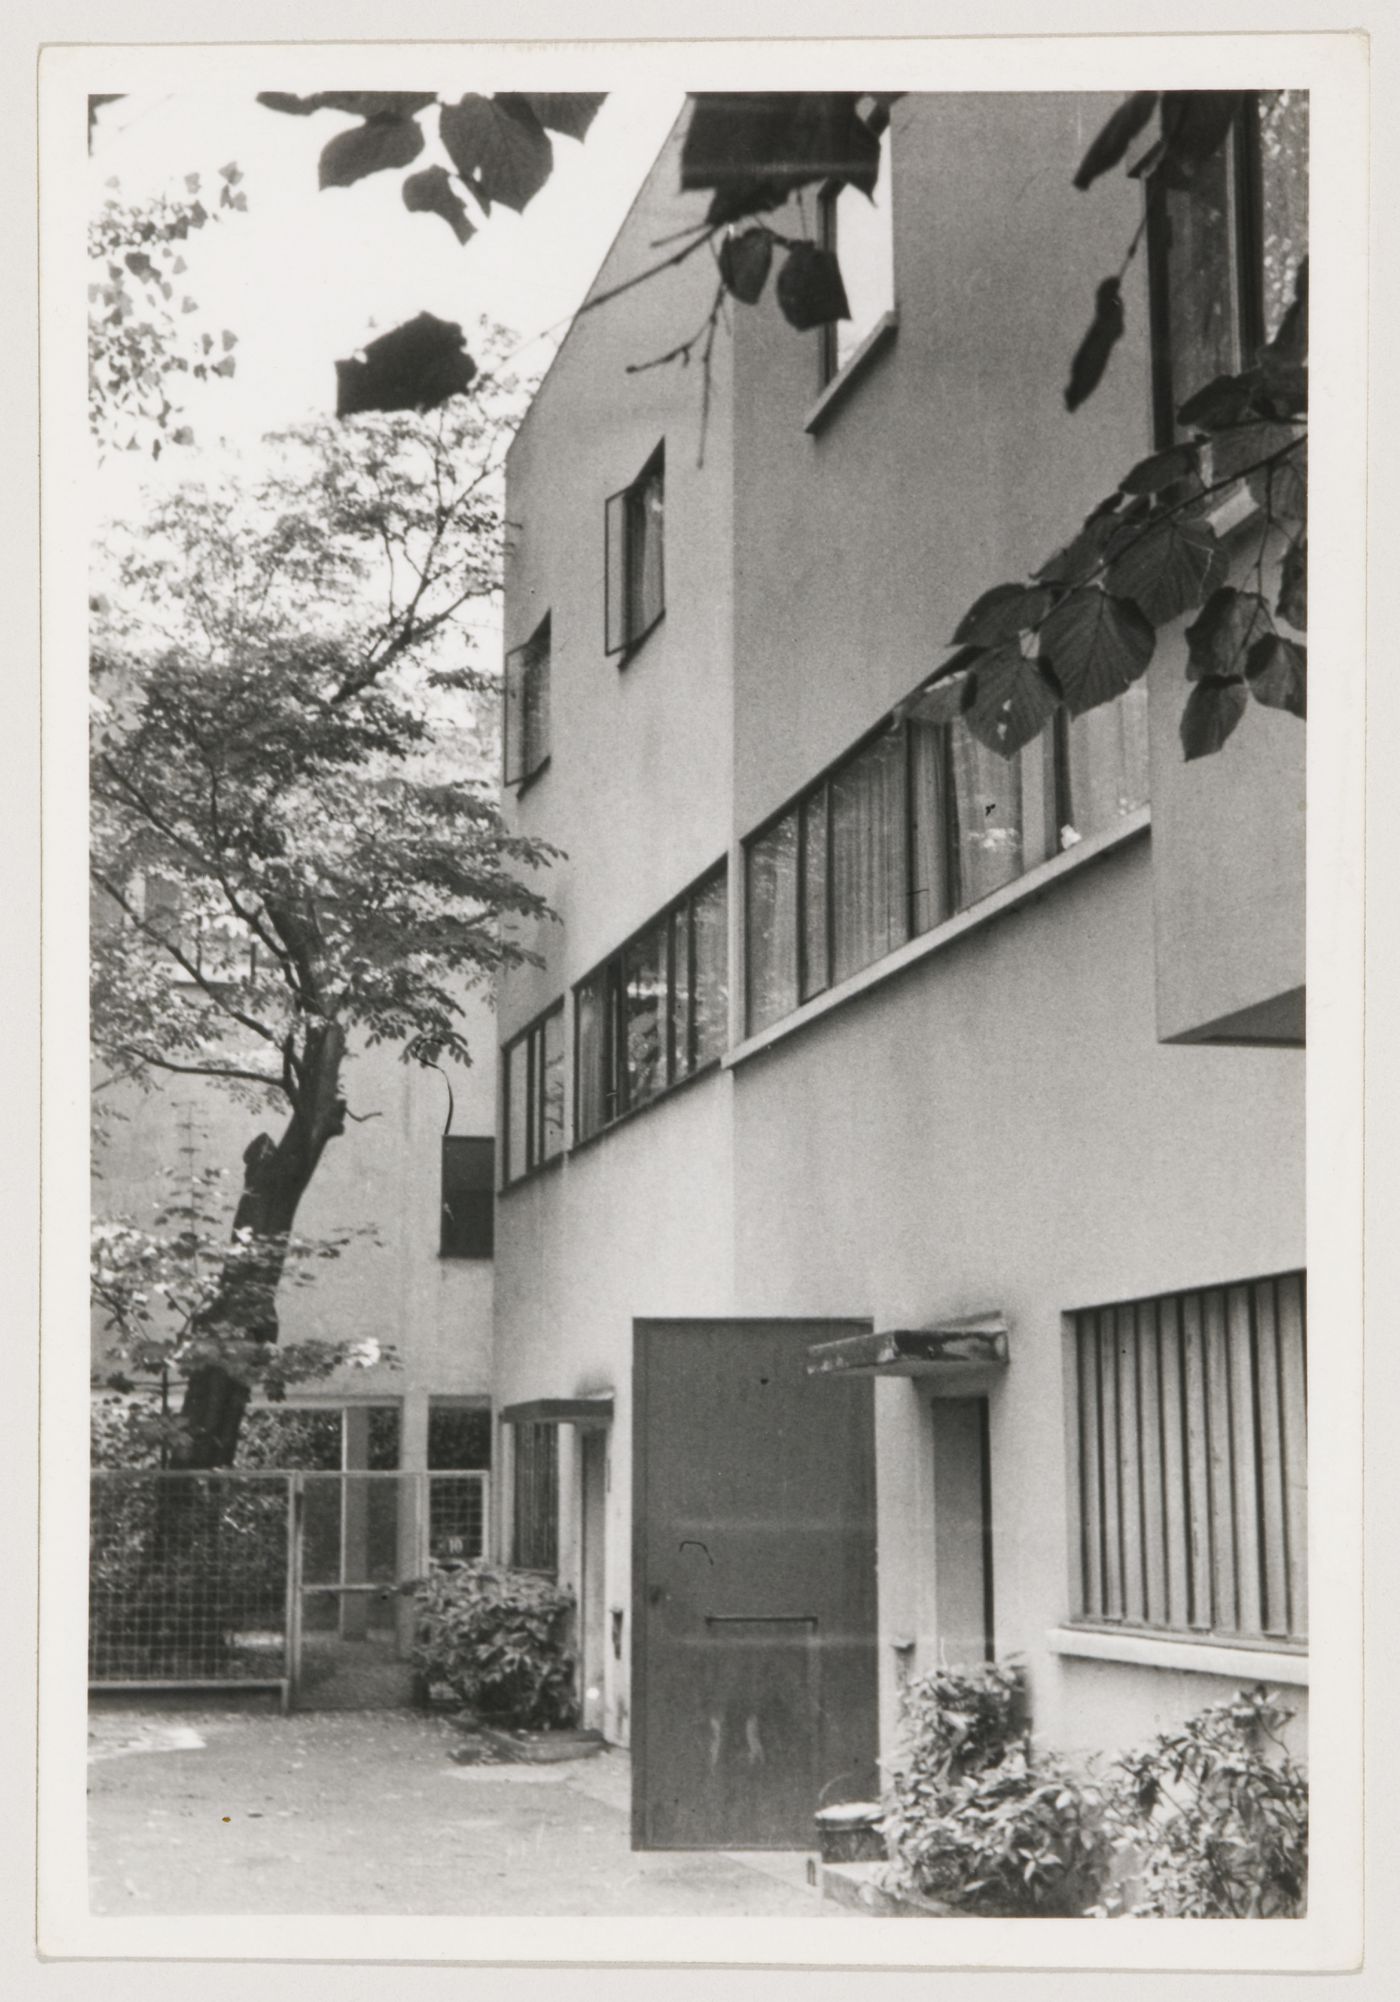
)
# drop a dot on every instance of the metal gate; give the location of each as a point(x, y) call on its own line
point(261, 1579)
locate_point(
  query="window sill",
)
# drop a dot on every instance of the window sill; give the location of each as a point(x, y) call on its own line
point(629, 653)
point(640, 1111)
point(1009, 897)
point(1199, 1655)
point(522, 786)
point(857, 365)
point(530, 1175)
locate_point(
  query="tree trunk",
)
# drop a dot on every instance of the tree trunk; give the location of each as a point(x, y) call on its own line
point(276, 1175)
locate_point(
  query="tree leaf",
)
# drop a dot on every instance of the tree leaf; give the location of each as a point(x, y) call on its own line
point(1073, 563)
point(1217, 643)
point(1011, 700)
point(1001, 613)
point(364, 103)
point(1293, 585)
point(1091, 356)
point(1097, 646)
point(569, 112)
point(754, 147)
point(810, 291)
point(1161, 469)
point(1213, 708)
point(432, 191)
point(1228, 399)
point(499, 147)
point(943, 699)
point(415, 367)
point(1282, 488)
point(1239, 451)
point(367, 149)
point(1115, 137)
point(1194, 126)
point(744, 262)
point(1277, 672)
point(1169, 569)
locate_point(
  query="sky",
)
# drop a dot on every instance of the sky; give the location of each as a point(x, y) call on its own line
point(304, 276)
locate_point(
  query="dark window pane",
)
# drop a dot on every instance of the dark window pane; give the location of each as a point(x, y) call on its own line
point(680, 1053)
point(591, 1055)
point(929, 900)
point(815, 895)
point(615, 582)
point(458, 1437)
point(517, 1086)
point(550, 1084)
point(988, 800)
point(384, 1428)
point(710, 920)
point(644, 1011)
point(772, 924)
point(645, 580)
point(869, 897)
point(468, 1201)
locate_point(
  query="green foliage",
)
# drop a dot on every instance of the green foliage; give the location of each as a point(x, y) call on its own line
point(1214, 1816)
point(980, 1819)
point(1208, 1821)
point(141, 336)
point(495, 1637)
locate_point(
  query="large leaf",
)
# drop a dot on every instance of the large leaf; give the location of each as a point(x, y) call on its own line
point(1277, 671)
point(1230, 622)
point(368, 148)
point(1282, 488)
point(1238, 451)
point(1161, 469)
point(1194, 126)
point(1001, 613)
point(1225, 400)
point(1113, 139)
point(432, 192)
point(1008, 699)
point(747, 144)
point(809, 288)
point(942, 700)
point(364, 103)
point(415, 367)
point(1168, 569)
point(1213, 708)
point(569, 112)
point(1293, 585)
point(744, 260)
point(499, 147)
point(1097, 646)
point(1091, 356)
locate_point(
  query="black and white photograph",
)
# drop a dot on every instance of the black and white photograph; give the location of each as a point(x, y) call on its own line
point(700, 1164)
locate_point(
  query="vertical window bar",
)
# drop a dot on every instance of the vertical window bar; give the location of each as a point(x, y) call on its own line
point(829, 970)
point(692, 972)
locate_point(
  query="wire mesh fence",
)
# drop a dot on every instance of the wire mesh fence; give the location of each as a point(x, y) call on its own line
point(188, 1577)
point(258, 1577)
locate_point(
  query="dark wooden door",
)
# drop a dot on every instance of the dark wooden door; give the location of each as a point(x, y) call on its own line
point(754, 1667)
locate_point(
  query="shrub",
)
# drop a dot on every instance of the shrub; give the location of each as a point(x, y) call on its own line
point(495, 1637)
point(980, 1819)
point(1215, 1814)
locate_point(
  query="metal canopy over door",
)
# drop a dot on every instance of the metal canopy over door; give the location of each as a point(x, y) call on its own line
point(754, 1687)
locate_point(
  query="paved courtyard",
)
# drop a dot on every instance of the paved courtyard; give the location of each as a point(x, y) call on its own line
point(200, 1810)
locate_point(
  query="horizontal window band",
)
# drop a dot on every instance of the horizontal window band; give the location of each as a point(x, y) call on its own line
point(1237, 1660)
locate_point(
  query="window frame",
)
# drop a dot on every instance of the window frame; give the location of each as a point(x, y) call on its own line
point(526, 660)
point(1246, 278)
point(621, 506)
point(609, 974)
point(486, 1189)
point(537, 1160)
point(1220, 1533)
point(830, 363)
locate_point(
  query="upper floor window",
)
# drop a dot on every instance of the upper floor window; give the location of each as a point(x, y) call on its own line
point(921, 821)
point(1188, 1489)
point(859, 228)
point(527, 707)
point(634, 522)
point(532, 1093)
point(468, 1197)
point(1225, 250)
point(655, 1012)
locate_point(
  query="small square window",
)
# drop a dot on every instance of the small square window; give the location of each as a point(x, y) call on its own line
point(468, 1201)
point(634, 525)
